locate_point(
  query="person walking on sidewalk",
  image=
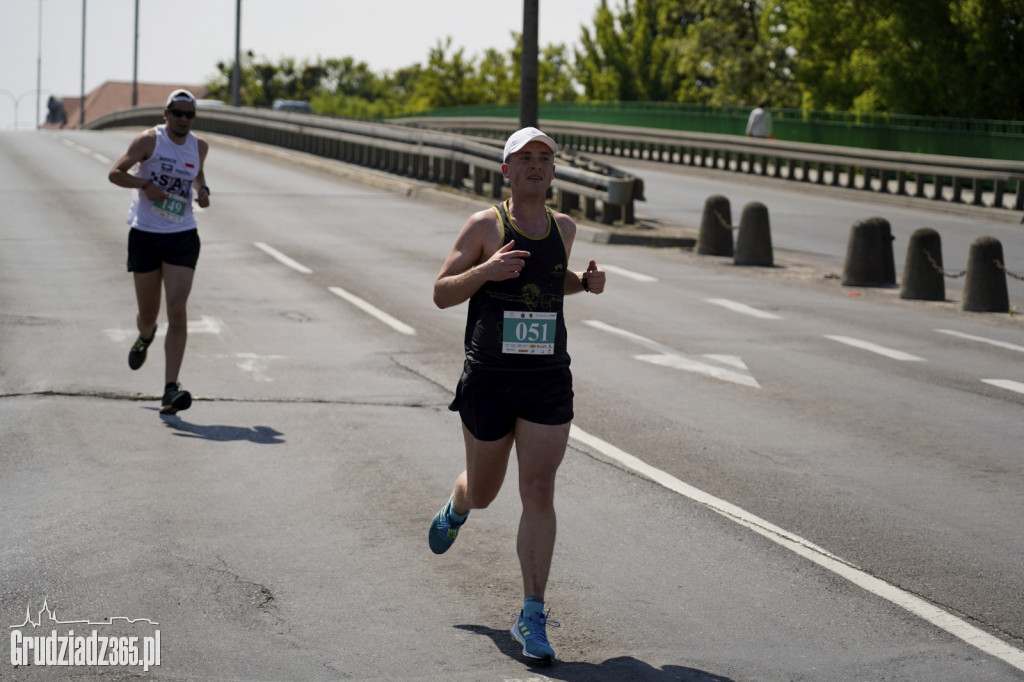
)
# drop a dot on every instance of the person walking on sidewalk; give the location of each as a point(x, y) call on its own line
point(164, 169)
point(511, 263)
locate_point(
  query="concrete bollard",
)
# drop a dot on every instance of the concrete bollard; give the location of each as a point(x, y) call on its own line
point(922, 270)
point(715, 237)
point(754, 239)
point(869, 259)
point(985, 287)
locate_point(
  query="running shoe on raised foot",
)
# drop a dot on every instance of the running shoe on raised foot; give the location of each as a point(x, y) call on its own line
point(137, 355)
point(444, 530)
point(175, 400)
point(531, 632)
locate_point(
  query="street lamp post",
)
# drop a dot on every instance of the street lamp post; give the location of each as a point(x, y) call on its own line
point(135, 60)
point(528, 107)
point(236, 72)
point(81, 104)
point(39, 66)
point(16, 101)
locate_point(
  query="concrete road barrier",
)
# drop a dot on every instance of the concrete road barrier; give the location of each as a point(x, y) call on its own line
point(715, 238)
point(985, 287)
point(923, 276)
point(754, 238)
point(869, 260)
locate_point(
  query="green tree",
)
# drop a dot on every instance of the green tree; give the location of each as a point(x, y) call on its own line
point(993, 32)
point(730, 54)
point(446, 81)
point(629, 56)
point(926, 57)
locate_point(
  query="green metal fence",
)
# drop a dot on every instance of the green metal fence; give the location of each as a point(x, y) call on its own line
point(976, 138)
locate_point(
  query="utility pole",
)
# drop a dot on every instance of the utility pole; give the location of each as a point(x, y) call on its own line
point(528, 68)
point(81, 104)
point(236, 73)
point(135, 60)
point(39, 67)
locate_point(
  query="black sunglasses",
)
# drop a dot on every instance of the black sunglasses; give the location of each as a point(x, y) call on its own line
point(178, 113)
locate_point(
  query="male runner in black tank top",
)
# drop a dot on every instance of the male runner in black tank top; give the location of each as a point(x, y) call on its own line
point(511, 263)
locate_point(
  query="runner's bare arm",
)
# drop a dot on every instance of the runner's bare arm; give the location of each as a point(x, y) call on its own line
point(468, 266)
point(203, 193)
point(139, 150)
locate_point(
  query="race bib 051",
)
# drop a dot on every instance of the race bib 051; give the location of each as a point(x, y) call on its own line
point(529, 333)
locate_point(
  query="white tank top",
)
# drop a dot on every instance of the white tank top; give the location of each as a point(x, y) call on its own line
point(173, 167)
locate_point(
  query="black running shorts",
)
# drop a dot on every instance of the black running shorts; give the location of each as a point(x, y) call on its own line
point(147, 250)
point(489, 401)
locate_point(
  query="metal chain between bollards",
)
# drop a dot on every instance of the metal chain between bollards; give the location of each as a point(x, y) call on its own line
point(722, 222)
point(938, 267)
point(999, 264)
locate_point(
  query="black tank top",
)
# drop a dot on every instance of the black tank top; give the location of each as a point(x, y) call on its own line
point(518, 323)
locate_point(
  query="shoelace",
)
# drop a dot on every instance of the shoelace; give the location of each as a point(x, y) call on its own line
point(540, 634)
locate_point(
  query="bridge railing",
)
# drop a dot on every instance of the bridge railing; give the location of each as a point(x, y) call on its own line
point(602, 192)
point(953, 179)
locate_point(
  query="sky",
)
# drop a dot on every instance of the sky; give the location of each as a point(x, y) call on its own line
point(181, 41)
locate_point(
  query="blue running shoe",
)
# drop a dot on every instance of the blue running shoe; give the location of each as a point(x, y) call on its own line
point(444, 530)
point(531, 632)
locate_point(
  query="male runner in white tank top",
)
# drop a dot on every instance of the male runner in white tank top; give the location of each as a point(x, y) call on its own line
point(164, 169)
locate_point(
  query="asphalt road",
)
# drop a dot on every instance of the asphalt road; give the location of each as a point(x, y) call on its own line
point(772, 476)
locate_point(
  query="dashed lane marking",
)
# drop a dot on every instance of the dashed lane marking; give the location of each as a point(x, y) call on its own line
point(629, 274)
point(743, 308)
point(875, 348)
point(392, 322)
point(982, 339)
point(281, 258)
point(1008, 384)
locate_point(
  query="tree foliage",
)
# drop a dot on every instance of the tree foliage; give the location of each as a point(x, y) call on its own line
point(925, 57)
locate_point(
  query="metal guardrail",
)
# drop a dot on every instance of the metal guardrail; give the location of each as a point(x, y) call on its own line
point(953, 179)
point(944, 135)
point(429, 155)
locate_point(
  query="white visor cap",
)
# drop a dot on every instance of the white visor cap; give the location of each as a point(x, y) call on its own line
point(525, 136)
point(180, 96)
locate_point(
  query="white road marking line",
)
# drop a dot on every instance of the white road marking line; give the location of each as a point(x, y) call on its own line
point(875, 348)
point(1008, 384)
point(204, 325)
point(395, 324)
point(281, 258)
point(976, 637)
point(743, 308)
point(1001, 344)
point(669, 357)
point(256, 365)
point(629, 274)
point(79, 148)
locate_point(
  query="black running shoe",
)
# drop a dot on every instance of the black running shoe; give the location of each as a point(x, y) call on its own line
point(175, 400)
point(137, 355)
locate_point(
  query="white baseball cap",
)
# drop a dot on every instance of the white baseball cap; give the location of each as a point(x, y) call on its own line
point(181, 96)
point(525, 136)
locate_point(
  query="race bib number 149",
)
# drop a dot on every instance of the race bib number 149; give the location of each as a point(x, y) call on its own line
point(172, 208)
point(528, 333)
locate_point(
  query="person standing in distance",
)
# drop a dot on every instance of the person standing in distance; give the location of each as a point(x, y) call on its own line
point(164, 169)
point(759, 124)
point(511, 263)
